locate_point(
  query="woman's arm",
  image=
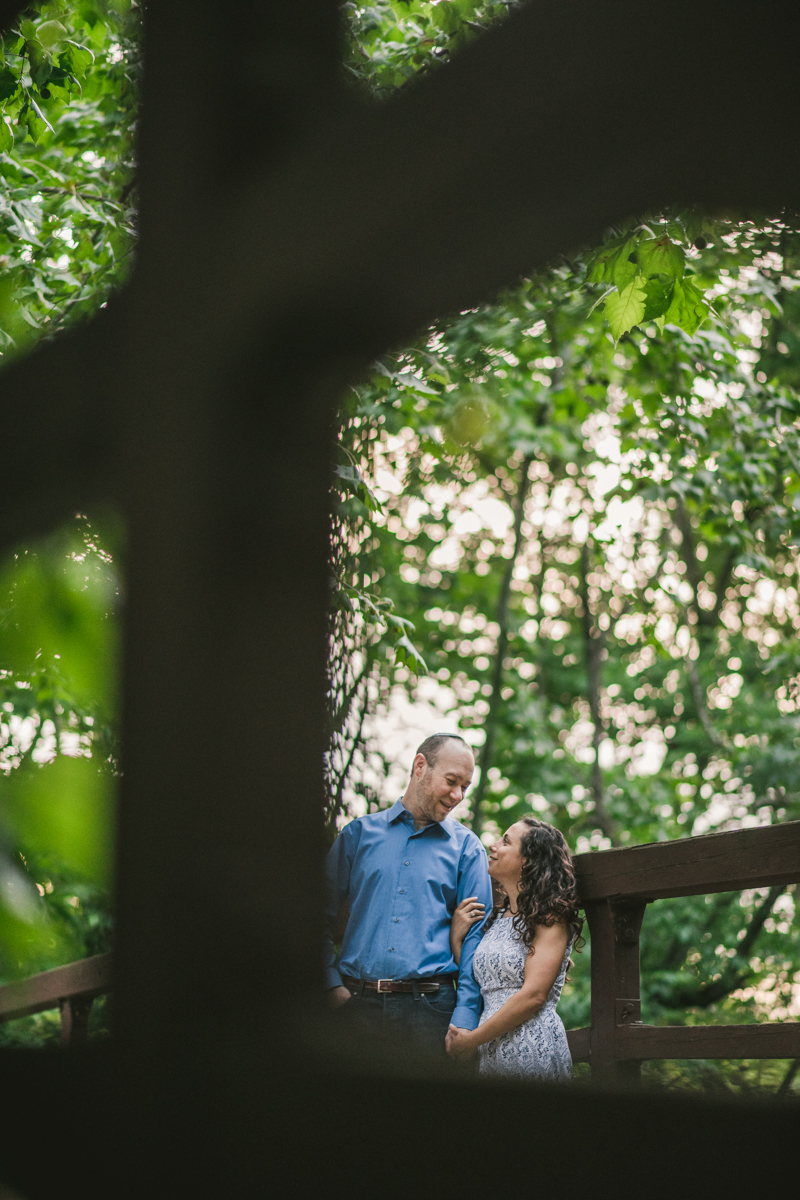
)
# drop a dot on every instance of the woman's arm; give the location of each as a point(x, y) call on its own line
point(468, 913)
point(541, 971)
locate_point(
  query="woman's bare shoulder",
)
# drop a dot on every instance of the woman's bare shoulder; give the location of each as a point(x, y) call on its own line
point(559, 933)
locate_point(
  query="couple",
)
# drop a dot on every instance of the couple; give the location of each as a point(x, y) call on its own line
point(418, 954)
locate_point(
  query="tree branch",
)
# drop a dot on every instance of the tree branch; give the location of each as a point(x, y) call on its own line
point(684, 526)
point(721, 585)
point(700, 702)
point(737, 970)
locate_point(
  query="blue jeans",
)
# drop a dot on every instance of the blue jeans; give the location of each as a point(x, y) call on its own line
point(399, 1015)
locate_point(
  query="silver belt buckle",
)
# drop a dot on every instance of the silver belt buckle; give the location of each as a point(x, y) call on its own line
point(381, 988)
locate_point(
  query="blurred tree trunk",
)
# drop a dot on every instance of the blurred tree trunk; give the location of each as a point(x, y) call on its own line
point(594, 646)
point(502, 618)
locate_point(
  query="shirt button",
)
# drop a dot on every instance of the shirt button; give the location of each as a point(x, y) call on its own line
point(396, 920)
point(391, 949)
point(402, 890)
point(408, 864)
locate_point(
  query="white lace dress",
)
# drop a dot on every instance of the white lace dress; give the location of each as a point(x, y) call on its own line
point(538, 1049)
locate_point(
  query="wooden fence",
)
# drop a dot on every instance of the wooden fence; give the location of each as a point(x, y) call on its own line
point(616, 886)
point(72, 989)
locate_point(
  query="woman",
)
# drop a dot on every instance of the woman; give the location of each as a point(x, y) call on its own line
point(523, 956)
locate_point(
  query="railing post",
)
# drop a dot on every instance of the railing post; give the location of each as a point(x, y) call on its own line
point(614, 927)
point(75, 1020)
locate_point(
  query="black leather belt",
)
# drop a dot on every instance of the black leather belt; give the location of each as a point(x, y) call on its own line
point(384, 986)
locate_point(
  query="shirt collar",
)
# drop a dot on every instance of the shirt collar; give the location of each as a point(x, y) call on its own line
point(399, 812)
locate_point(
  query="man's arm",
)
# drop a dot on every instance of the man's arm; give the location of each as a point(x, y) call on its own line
point(337, 887)
point(473, 881)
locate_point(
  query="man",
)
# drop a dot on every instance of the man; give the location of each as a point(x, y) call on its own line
point(402, 872)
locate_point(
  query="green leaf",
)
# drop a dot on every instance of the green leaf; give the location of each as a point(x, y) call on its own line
point(626, 308)
point(8, 83)
point(76, 59)
point(469, 422)
point(688, 308)
point(405, 652)
point(659, 294)
point(407, 379)
point(89, 12)
point(40, 71)
point(661, 256)
point(446, 17)
point(6, 135)
point(36, 127)
point(401, 623)
point(50, 33)
point(613, 265)
point(65, 807)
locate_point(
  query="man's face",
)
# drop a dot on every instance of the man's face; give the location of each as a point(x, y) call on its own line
point(442, 786)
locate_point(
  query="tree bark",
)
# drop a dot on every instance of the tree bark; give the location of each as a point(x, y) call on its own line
point(502, 617)
point(593, 646)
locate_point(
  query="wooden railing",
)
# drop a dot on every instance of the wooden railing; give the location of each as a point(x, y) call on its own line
point(72, 989)
point(615, 887)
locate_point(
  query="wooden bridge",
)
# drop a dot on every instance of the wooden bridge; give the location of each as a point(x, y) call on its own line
point(616, 886)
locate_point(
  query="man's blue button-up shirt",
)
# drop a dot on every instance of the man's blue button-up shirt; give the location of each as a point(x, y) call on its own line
point(403, 886)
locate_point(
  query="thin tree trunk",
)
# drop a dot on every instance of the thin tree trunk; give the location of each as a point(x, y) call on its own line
point(593, 645)
point(502, 617)
point(706, 622)
point(700, 703)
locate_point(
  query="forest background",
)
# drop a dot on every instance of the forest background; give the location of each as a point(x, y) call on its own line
point(565, 522)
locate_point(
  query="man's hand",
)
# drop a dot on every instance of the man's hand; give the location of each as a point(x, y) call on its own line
point(460, 1043)
point(337, 996)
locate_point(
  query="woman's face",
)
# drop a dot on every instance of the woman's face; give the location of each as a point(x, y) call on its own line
point(505, 856)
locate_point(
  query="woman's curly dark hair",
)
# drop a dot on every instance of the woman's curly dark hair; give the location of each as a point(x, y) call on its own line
point(547, 893)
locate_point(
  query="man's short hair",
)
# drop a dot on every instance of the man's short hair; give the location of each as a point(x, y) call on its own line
point(432, 745)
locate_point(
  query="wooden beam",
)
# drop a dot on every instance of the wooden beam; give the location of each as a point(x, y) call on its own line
point(532, 166)
point(614, 933)
point(60, 414)
point(719, 862)
point(85, 978)
point(641, 1042)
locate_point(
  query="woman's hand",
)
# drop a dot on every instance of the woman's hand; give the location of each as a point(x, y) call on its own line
point(468, 913)
point(461, 1044)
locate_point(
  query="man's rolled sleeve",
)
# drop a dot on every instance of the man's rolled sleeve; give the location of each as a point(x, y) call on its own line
point(337, 886)
point(473, 881)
